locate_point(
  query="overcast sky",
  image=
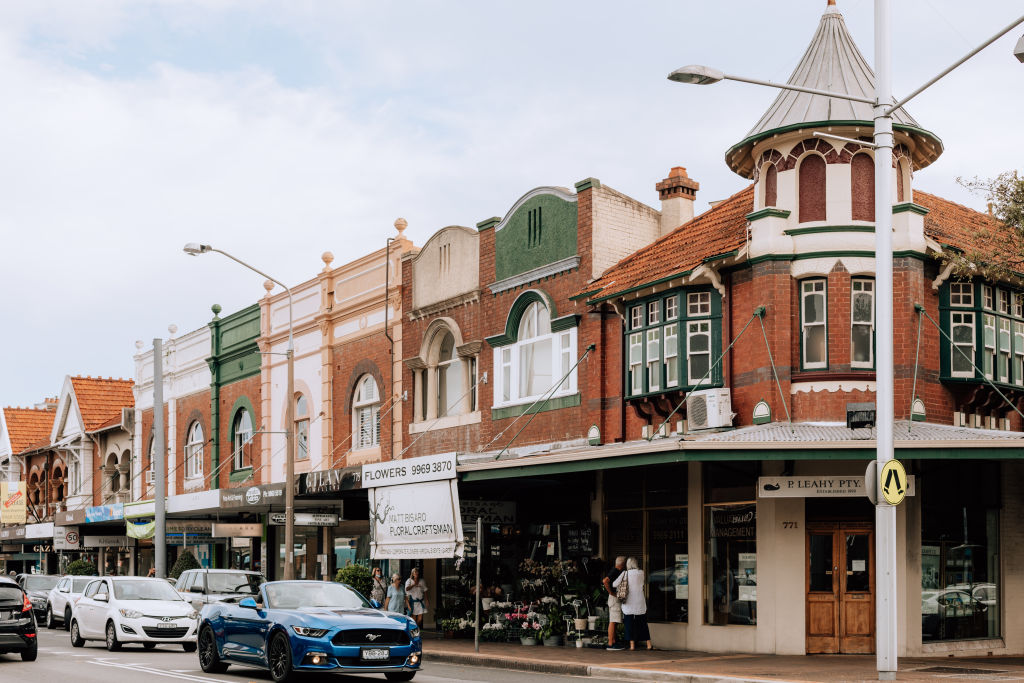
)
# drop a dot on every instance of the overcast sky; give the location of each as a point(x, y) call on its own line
point(279, 130)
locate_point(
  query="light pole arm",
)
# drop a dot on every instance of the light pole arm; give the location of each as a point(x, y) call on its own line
point(787, 86)
point(1014, 24)
point(286, 289)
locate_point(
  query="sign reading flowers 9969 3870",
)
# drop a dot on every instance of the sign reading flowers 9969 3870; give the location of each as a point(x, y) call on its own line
point(414, 508)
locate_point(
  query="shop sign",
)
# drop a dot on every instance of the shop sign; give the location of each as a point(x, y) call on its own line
point(42, 548)
point(105, 513)
point(70, 517)
point(146, 508)
point(66, 538)
point(491, 511)
point(107, 541)
point(410, 471)
point(38, 531)
point(323, 482)
point(416, 521)
point(824, 486)
point(305, 519)
point(261, 495)
point(190, 526)
point(12, 533)
point(10, 548)
point(13, 502)
point(733, 522)
point(247, 530)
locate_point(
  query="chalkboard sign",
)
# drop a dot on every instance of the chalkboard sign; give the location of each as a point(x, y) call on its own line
point(579, 539)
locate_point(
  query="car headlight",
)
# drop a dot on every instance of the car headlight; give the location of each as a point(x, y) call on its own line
point(193, 615)
point(130, 613)
point(309, 632)
point(414, 632)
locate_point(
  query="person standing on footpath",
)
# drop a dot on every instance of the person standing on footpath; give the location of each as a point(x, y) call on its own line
point(397, 600)
point(416, 589)
point(378, 589)
point(614, 606)
point(634, 605)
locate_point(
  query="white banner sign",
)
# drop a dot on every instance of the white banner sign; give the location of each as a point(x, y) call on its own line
point(825, 486)
point(66, 538)
point(107, 541)
point(416, 521)
point(411, 471)
point(306, 518)
point(188, 526)
point(247, 529)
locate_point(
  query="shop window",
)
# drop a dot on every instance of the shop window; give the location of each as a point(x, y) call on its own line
point(194, 451)
point(241, 442)
point(961, 294)
point(538, 359)
point(366, 414)
point(730, 543)
point(960, 579)
point(862, 187)
point(814, 323)
point(962, 347)
point(862, 322)
point(812, 188)
point(301, 428)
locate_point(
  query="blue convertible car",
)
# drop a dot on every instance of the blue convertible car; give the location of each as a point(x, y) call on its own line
point(300, 626)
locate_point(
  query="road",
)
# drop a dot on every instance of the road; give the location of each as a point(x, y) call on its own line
point(59, 662)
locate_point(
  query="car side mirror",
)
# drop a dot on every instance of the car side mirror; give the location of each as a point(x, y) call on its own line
point(100, 597)
point(248, 603)
point(195, 589)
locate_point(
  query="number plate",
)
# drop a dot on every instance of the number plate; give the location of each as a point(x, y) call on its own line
point(375, 654)
point(5, 614)
point(167, 624)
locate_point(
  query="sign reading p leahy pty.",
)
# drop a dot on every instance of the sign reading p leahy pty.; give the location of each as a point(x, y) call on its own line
point(816, 486)
point(414, 508)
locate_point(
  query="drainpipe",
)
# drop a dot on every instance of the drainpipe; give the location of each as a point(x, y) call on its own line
point(391, 341)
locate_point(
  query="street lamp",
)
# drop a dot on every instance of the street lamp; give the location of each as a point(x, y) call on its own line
point(195, 249)
point(883, 108)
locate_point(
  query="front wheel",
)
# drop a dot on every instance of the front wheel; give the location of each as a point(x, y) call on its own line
point(67, 618)
point(280, 658)
point(209, 658)
point(76, 638)
point(112, 644)
point(188, 647)
point(50, 621)
point(400, 675)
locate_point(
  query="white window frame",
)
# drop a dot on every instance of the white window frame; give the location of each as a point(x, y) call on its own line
point(698, 304)
point(636, 317)
point(1004, 349)
point(691, 379)
point(636, 363)
point(988, 301)
point(301, 428)
point(804, 325)
point(671, 332)
point(957, 319)
point(241, 439)
point(366, 406)
point(988, 364)
point(870, 291)
point(194, 442)
point(508, 358)
point(672, 308)
point(654, 312)
point(1018, 353)
point(1003, 301)
point(652, 339)
point(961, 294)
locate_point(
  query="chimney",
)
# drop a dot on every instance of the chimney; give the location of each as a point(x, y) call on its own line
point(677, 193)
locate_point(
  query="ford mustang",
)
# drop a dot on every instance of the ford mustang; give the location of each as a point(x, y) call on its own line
point(304, 626)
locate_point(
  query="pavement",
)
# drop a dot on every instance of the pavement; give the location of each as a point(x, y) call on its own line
point(704, 667)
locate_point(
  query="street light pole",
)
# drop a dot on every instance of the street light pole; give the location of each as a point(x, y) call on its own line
point(194, 249)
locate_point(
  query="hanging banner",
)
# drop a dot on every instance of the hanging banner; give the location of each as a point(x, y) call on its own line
point(13, 502)
point(105, 513)
point(140, 528)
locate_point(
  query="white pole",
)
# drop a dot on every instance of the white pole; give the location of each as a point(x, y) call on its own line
point(159, 463)
point(479, 560)
point(885, 515)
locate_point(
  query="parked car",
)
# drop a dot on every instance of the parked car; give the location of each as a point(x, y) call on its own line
point(62, 598)
point(38, 587)
point(947, 611)
point(17, 622)
point(303, 626)
point(202, 586)
point(133, 609)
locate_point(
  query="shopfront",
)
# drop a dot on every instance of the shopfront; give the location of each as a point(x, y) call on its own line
point(323, 549)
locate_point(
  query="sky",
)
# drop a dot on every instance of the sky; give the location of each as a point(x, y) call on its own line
point(280, 130)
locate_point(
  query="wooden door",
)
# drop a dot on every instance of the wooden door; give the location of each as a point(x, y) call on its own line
point(840, 611)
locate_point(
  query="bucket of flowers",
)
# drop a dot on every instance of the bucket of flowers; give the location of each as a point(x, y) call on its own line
point(493, 632)
point(455, 627)
point(531, 630)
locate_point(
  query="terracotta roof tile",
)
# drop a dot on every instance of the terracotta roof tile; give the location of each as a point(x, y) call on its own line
point(100, 400)
point(27, 427)
point(718, 231)
point(954, 224)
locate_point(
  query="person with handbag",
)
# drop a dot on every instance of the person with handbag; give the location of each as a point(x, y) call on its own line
point(630, 590)
point(614, 604)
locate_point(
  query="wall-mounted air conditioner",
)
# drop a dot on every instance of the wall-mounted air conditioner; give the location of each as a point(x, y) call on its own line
point(708, 409)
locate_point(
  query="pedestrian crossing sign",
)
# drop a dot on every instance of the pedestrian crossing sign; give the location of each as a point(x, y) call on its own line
point(893, 482)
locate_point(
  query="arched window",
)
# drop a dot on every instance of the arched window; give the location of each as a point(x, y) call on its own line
point(528, 368)
point(194, 451)
point(241, 442)
point(903, 193)
point(770, 178)
point(112, 474)
point(301, 427)
point(812, 188)
point(862, 187)
point(535, 366)
point(366, 414)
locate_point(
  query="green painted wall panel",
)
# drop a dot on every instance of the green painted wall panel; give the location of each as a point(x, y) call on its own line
point(541, 231)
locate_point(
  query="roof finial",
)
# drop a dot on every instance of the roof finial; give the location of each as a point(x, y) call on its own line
point(831, 3)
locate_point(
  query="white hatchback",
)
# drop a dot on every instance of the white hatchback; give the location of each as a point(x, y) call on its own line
point(124, 609)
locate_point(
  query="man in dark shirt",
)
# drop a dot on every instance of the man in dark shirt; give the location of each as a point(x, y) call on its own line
point(614, 608)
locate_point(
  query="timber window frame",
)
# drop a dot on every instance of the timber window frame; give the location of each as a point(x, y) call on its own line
point(813, 324)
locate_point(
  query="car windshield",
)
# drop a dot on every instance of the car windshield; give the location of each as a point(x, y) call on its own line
point(155, 589)
point(246, 584)
point(78, 585)
point(291, 595)
point(40, 583)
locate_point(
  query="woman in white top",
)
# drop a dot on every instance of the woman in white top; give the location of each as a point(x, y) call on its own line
point(416, 589)
point(634, 606)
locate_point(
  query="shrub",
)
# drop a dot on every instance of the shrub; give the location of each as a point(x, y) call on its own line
point(81, 568)
point(357, 576)
point(186, 560)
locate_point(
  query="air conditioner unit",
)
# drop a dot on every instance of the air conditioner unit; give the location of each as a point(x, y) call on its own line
point(708, 409)
point(149, 477)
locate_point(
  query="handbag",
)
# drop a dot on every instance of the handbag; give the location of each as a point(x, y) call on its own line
point(622, 592)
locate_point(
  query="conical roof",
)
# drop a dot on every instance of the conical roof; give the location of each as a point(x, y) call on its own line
point(832, 62)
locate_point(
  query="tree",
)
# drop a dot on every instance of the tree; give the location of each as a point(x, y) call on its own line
point(186, 560)
point(81, 568)
point(358, 577)
point(996, 251)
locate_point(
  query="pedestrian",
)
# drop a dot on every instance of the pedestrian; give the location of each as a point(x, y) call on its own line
point(416, 588)
point(151, 572)
point(614, 606)
point(634, 605)
point(378, 587)
point(397, 599)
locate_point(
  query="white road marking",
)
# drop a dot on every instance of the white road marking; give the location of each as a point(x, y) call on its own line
point(150, 670)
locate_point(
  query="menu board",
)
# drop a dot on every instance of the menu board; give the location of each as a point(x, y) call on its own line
point(579, 539)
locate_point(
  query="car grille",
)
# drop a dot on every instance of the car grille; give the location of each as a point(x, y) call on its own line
point(356, 662)
point(372, 637)
point(154, 632)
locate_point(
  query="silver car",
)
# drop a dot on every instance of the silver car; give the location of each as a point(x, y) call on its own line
point(203, 586)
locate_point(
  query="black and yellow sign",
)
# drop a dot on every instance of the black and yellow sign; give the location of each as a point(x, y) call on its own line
point(893, 481)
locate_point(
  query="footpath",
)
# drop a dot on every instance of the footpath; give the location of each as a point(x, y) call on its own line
point(703, 667)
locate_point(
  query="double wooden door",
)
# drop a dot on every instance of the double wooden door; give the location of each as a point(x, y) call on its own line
point(840, 588)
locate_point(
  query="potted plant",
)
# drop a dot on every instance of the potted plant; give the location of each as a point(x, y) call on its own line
point(579, 622)
point(531, 629)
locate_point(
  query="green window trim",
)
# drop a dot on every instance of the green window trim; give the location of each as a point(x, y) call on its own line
point(515, 316)
point(988, 339)
point(556, 403)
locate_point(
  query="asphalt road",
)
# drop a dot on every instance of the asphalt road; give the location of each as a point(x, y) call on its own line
point(60, 663)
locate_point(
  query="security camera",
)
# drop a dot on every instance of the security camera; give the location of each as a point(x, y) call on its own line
point(1018, 51)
